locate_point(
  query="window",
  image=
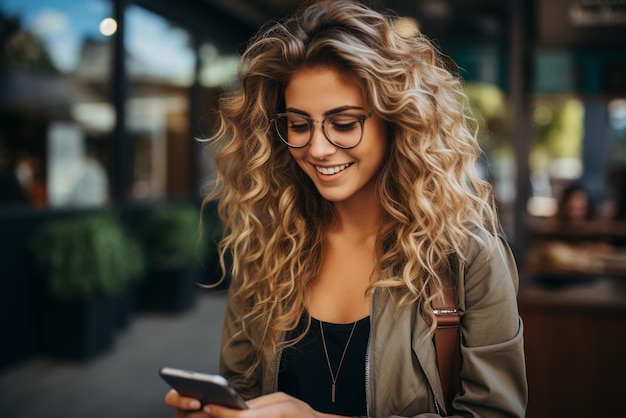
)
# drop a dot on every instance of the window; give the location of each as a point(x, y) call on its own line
point(56, 118)
point(161, 69)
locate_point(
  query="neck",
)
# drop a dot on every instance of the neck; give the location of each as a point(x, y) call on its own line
point(359, 221)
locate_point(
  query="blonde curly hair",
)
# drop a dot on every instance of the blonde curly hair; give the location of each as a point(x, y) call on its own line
point(432, 197)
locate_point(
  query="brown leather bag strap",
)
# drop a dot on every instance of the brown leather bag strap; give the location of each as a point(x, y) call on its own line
point(448, 345)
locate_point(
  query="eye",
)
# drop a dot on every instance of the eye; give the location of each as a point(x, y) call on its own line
point(298, 125)
point(343, 122)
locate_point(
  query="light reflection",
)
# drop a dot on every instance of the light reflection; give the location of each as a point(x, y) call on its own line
point(108, 26)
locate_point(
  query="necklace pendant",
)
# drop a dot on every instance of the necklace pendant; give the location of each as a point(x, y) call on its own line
point(334, 376)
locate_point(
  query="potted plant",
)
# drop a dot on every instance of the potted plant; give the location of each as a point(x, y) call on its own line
point(87, 262)
point(170, 241)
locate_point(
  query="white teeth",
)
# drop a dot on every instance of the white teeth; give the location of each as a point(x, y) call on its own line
point(331, 170)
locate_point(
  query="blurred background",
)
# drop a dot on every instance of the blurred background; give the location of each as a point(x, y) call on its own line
point(101, 178)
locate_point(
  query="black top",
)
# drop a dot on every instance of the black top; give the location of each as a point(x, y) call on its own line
point(304, 370)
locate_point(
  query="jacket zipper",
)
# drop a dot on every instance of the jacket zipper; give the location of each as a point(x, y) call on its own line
point(278, 359)
point(437, 407)
point(368, 357)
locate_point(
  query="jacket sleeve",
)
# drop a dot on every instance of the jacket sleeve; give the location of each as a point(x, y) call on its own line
point(237, 353)
point(493, 374)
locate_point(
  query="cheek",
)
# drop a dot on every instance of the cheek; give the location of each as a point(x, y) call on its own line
point(297, 154)
point(379, 136)
point(380, 149)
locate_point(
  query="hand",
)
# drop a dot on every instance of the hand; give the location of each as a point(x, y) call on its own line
point(268, 406)
point(185, 407)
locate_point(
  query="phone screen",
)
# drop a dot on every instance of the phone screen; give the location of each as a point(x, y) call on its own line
point(207, 388)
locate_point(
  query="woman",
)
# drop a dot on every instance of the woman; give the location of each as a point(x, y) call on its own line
point(347, 183)
point(575, 205)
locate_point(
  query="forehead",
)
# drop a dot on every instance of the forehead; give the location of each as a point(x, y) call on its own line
point(321, 88)
point(578, 196)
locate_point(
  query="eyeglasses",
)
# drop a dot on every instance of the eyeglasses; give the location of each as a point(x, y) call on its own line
point(343, 130)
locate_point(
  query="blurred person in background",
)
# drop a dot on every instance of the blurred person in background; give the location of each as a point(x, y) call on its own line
point(577, 242)
point(576, 204)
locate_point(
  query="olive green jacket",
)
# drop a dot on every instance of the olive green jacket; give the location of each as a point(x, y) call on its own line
point(401, 368)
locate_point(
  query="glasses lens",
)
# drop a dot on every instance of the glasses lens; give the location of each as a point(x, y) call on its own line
point(294, 130)
point(344, 130)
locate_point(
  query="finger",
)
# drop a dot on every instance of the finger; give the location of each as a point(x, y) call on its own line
point(172, 398)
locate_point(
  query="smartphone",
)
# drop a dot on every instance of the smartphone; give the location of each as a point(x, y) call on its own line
point(207, 388)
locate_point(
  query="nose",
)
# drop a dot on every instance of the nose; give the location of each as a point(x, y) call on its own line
point(320, 147)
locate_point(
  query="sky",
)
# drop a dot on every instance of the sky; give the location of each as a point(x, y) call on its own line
point(157, 47)
point(61, 24)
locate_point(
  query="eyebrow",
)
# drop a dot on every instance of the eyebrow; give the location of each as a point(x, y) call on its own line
point(328, 112)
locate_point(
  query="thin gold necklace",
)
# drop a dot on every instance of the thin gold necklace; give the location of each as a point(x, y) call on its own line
point(334, 376)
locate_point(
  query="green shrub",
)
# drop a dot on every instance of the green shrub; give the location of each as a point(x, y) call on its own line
point(170, 234)
point(87, 255)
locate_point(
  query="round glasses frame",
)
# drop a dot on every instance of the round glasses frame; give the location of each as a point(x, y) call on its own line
point(361, 118)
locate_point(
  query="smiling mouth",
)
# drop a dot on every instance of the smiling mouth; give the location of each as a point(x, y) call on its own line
point(328, 171)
